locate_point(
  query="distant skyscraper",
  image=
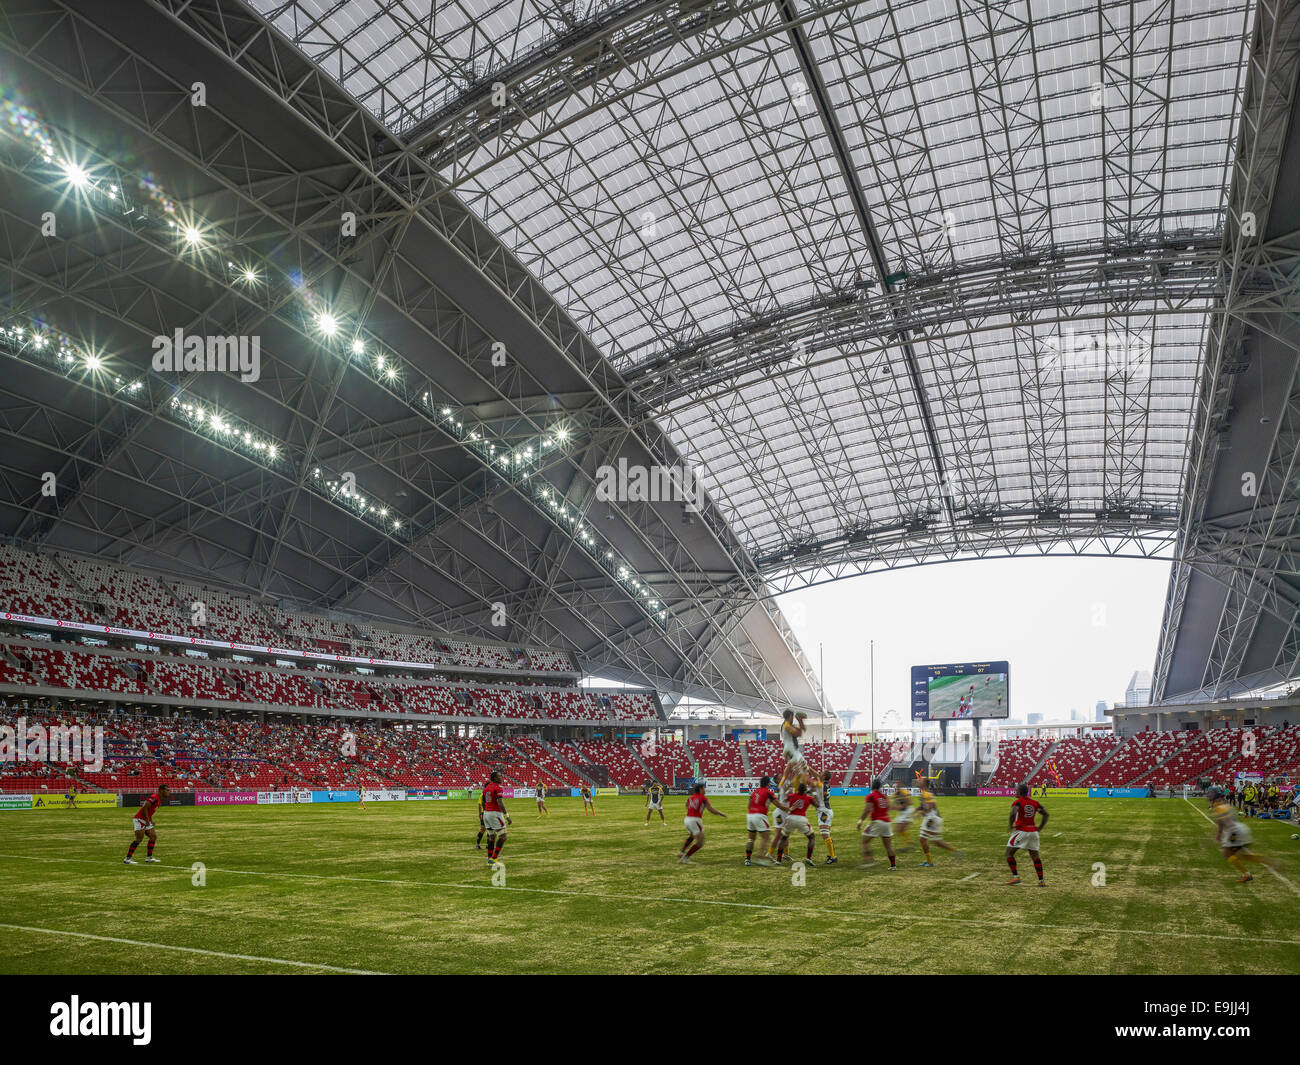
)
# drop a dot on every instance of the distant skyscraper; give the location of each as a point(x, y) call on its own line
point(1034, 719)
point(1102, 710)
point(1138, 692)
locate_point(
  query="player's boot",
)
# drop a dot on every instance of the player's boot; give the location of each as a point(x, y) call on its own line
point(129, 861)
point(153, 860)
point(1042, 883)
point(927, 865)
point(831, 861)
point(1245, 878)
point(748, 862)
point(1013, 880)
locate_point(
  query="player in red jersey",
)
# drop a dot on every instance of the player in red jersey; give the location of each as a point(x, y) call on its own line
point(877, 810)
point(495, 818)
point(757, 822)
point(797, 821)
point(696, 804)
point(143, 823)
point(1025, 826)
point(482, 826)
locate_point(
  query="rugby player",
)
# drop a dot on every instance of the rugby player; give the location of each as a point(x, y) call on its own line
point(654, 800)
point(877, 809)
point(792, 728)
point(587, 803)
point(1232, 836)
point(932, 828)
point(1025, 826)
point(783, 788)
point(482, 826)
point(825, 815)
point(143, 824)
point(757, 823)
point(696, 803)
point(903, 804)
point(495, 818)
point(797, 821)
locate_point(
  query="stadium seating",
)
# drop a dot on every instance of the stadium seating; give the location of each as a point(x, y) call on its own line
point(717, 758)
point(667, 760)
point(1016, 759)
point(560, 774)
point(88, 590)
point(1276, 752)
point(1073, 757)
point(624, 769)
point(220, 752)
point(1137, 756)
point(1205, 752)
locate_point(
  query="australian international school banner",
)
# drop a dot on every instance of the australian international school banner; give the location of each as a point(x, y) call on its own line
point(1059, 793)
point(60, 802)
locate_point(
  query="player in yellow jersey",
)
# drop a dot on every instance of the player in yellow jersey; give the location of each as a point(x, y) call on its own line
point(825, 815)
point(932, 828)
point(1232, 836)
point(587, 803)
point(654, 800)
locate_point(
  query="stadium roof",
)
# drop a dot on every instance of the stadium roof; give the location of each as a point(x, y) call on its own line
point(903, 283)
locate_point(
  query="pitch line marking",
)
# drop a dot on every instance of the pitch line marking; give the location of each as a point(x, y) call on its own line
point(1207, 817)
point(189, 950)
point(971, 877)
point(999, 925)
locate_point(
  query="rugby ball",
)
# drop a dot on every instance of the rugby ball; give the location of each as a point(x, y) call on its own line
point(1294, 836)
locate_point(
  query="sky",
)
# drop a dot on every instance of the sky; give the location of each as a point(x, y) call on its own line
point(1073, 629)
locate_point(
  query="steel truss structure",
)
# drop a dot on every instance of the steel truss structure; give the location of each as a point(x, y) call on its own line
point(900, 283)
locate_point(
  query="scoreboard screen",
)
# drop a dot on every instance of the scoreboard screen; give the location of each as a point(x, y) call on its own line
point(960, 691)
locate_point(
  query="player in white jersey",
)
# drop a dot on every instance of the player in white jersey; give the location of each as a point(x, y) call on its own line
point(783, 788)
point(792, 729)
point(825, 815)
point(903, 814)
point(932, 828)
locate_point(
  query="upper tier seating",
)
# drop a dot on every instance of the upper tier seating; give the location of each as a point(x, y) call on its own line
point(103, 593)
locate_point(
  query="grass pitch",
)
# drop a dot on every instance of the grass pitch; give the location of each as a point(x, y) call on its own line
point(399, 888)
